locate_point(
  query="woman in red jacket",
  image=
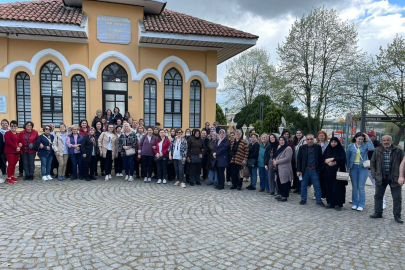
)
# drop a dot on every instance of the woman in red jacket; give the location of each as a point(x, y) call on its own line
point(161, 150)
point(28, 137)
point(12, 148)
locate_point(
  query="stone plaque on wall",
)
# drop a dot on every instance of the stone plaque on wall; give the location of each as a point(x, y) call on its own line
point(3, 104)
point(113, 29)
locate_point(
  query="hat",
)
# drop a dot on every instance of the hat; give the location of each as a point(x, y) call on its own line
point(371, 133)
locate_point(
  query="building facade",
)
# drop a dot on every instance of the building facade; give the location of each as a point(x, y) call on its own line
point(60, 61)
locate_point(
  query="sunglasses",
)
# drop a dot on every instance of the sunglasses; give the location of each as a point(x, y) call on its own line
point(47, 129)
point(179, 132)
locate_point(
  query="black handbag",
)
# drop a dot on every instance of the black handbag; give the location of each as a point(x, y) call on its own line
point(251, 162)
point(195, 159)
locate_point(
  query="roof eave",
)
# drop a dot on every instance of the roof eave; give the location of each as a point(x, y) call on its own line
point(226, 47)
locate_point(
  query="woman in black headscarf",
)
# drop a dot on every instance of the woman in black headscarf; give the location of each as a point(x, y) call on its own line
point(334, 159)
point(268, 162)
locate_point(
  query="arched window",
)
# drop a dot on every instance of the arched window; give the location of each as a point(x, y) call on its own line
point(195, 104)
point(115, 88)
point(78, 99)
point(149, 108)
point(51, 94)
point(23, 98)
point(173, 98)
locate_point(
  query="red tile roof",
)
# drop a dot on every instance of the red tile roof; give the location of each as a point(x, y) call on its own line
point(174, 22)
point(54, 11)
point(47, 11)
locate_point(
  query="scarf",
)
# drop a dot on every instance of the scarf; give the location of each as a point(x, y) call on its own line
point(282, 148)
point(93, 139)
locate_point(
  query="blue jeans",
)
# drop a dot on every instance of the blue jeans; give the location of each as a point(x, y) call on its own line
point(358, 176)
point(264, 178)
point(253, 176)
point(129, 164)
point(76, 164)
point(46, 163)
point(313, 175)
point(213, 176)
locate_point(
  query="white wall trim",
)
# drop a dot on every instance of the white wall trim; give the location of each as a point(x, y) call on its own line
point(46, 38)
point(41, 25)
point(92, 75)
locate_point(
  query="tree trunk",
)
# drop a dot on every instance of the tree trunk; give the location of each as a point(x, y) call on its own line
point(399, 135)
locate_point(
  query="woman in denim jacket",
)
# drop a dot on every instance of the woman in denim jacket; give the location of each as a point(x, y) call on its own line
point(356, 154)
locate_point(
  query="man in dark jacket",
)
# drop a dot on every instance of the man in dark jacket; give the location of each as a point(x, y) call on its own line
point(309, 165)
point(221, 158)
point(376, 143)
point(387, 168)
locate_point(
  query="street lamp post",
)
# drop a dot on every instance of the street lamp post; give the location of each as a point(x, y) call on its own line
point(363, 112)
point(261, 112)
point(226, 113)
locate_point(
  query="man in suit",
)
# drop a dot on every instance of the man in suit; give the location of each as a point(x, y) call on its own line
point(221, 158)
point(309, 164)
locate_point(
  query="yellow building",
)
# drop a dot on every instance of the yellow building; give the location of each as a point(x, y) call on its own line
point(60, 61)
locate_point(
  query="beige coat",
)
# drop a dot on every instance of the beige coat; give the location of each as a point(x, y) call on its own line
point(284, 165)
point(103, 143)
point(59, 144)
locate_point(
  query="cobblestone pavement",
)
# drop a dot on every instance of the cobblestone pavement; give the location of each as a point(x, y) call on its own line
point(133, 225)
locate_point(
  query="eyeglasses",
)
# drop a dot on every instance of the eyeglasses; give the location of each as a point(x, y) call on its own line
point(179, 132)
point(13, 125)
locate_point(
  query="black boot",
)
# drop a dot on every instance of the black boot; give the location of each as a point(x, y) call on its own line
point(376, 215)
point(398, 219)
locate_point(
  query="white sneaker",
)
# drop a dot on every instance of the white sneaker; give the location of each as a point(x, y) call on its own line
point(384, 205)
point(117, 175)
point(145, 179)
point(49, 177)
point(130, 179)
point(164, 181)
point(159, 181)
point(314, 198)
point(44, 178)
point(107, 178)
point(126, 178)
point(149, 179)
point(2, 180)
point(183, 185)
point(229, 183)
point(354, 207)
point(360, 208)
point(177, 183)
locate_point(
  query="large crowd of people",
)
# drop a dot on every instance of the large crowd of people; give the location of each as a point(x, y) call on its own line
point(282, 163)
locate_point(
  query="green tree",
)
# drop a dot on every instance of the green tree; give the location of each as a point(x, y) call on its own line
point(319, 47)
point(247, 76)
point(251, 113)
point(220, 117)
point(272, 121)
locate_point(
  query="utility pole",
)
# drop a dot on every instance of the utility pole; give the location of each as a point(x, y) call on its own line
point(363, 112)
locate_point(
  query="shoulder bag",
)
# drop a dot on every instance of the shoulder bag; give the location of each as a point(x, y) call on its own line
point(342, 176)
point(130, 151)
point(31, 146)
point(366, 163)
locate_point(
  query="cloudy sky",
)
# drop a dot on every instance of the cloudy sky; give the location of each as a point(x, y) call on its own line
point(377, 21)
